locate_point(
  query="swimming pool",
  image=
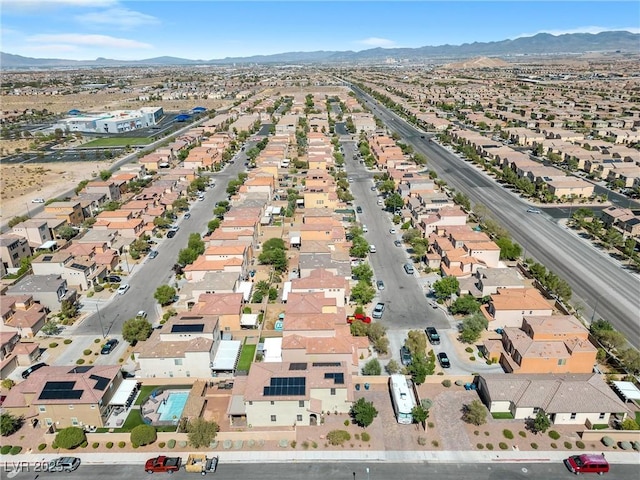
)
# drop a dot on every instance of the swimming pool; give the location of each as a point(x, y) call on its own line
point(171, 409)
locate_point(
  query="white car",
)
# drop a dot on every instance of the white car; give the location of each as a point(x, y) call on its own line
point(365, 229)
point(141, 314)
point(392, 231)
point(37, 200)
point(533, 210)
point(122, 289)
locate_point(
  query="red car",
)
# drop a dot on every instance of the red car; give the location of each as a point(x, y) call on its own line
point(358, 316)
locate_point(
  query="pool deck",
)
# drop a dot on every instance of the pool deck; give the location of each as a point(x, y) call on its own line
point(149, 409)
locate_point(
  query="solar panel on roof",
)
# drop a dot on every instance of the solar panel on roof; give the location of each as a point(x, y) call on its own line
point(59, 385)
point(101, 382)
point(60, 391)
point(285, 386)
point(338, 378)
point(188, 328)
point(80, 369)
point(326, 364)
point(298, 366)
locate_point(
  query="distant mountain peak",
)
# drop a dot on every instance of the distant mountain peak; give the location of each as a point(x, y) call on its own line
point(539, 44)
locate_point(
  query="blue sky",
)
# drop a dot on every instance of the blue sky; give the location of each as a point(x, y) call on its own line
point(87, 29)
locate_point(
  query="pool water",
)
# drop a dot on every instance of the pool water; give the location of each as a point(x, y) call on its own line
point(172, 408)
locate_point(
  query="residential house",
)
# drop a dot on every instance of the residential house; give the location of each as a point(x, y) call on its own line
point(544, 344)
point(227, 306)
point(567, 399)
point(487, 281)
point(509, 306)
point(37, 232)
point(22, 314)
point(183, 347)
point(66, 396)
point(81, 271)
point(284, 394)
point(48, 290)
point(111, 189)
point(70, 212)
point(13, 249)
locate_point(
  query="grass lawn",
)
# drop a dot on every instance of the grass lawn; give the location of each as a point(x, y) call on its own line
point(134, 419)
point(117, 142)
point(502, 416)
point(246, 357)
point(145, 391)
point(638, 418)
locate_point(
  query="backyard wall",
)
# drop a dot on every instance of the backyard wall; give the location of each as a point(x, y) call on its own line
point(617, 435)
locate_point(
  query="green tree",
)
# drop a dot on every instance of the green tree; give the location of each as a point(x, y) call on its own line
point(359, 247)
point(359, 328)
point(213, 225)
point(630, 358)
point(276, 258)
point(387, 186)
point(462, 200)
point(66, 232)
point(201, 432)
point(419, 368)
point(416, 342)
point(164, 294)
point(50, 327)
point(136, 330)
point(187, 256)
point(362, 293)
point(372, 367)
point(509, 250)
point(68, 309)
point(363, 272)
point(630, 424)
point(419, 414)
point(444, 288)
point(392, 367)
point(465, 305)
point(105, 175)
point(472, 328)
point(16, 220)
point(70, 437)
point(394, 202)
point(541, 422)
point(611, 339)
point(475, 413)
point(196, 243)
point(10, 424)
point(180, 203)
point(363, 413)
point(7, 383)
point(143, 435)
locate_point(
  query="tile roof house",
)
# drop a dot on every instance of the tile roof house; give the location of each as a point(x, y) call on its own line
point(20, 313)
point(321, 280)
point(284, 394)
point(66, 396)
point(228, 306)
point(568, 399)
point(508, 307)
point(185, 346)
point(545, 344)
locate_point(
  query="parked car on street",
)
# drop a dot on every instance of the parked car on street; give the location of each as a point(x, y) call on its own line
point(405, 356)
point(432, 335)
point(378, 310)
point(380, 285)
point(153, 254)
point(122, 289)
point(112, 279)
point(108, 347)
point(443, 359)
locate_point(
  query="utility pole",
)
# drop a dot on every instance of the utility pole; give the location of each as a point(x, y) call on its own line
point(100, 320)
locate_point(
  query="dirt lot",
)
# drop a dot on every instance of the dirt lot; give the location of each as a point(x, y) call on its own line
point(19, 184)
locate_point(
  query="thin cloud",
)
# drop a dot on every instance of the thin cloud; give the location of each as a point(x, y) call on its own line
point(377, 42)
point(590, 29)
point(62, 3)
point(120, 17)
point(55, 49)
point(82, 40)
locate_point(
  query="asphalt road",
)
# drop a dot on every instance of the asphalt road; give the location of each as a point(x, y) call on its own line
point(343, 471)
point(598, 281)
point(146, 277)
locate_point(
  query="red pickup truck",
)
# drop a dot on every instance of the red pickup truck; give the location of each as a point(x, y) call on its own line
point(358, 316)
point(163, 464)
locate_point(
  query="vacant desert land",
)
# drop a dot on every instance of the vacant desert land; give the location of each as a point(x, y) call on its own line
point(19, 184)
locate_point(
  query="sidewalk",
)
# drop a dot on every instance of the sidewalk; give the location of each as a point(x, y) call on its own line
point(289, 455)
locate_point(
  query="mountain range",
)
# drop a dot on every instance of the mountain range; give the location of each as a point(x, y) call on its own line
point(540, 44)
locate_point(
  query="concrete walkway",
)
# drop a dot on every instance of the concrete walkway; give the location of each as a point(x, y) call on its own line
point(289, 455)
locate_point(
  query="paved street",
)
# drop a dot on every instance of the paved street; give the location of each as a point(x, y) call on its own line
point(598, 282)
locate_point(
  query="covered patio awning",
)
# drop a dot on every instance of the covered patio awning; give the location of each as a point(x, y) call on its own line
point(226, 356)
point(124, 393)
point(627, 390)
